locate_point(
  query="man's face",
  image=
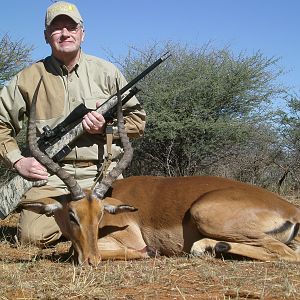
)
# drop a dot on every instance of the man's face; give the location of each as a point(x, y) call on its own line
point(64, 36)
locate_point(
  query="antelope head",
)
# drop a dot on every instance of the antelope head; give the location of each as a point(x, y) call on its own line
point(78, 214)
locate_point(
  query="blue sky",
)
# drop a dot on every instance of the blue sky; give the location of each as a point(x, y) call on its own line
point(271, 26)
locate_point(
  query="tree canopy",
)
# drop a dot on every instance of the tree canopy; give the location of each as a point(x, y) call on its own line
point(203, 105)
point(14, 56)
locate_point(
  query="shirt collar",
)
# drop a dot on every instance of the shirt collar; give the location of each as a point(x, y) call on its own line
point(62, 69)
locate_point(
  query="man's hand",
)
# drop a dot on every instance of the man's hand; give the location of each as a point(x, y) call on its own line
point(29, 167)
point(93, 122)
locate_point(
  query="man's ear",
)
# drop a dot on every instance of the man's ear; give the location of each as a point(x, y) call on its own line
point(83, 35)
point(45, 36)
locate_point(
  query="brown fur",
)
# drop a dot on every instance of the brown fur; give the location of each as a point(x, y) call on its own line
point(174, 213)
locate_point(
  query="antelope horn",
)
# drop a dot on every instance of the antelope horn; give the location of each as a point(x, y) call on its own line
point(69, 180)
point(102, 187)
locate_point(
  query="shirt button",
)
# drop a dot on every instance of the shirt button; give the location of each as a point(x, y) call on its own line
point(70, 80)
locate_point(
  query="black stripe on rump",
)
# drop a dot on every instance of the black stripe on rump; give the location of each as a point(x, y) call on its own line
point(287, 226)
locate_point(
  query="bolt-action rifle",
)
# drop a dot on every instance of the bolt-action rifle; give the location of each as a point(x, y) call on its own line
point(58, 142)
point(50, 141)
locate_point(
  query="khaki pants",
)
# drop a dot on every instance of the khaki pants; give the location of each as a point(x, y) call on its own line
point(40, 229)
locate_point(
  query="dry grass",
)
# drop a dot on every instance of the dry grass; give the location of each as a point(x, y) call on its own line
point(32, 273)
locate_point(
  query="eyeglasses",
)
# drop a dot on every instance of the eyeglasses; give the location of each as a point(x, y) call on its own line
point(58, 29)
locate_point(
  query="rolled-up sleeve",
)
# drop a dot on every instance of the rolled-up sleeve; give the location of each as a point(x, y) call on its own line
point(12, 108)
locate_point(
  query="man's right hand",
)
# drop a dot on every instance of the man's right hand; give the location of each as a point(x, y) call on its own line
point(29, 167)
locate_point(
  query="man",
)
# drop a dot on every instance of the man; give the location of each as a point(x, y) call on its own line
point(70, 77)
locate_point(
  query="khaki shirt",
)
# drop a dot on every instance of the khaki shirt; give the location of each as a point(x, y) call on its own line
point(92, 79)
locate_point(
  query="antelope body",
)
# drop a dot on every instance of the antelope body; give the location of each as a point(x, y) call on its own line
point(195, 214)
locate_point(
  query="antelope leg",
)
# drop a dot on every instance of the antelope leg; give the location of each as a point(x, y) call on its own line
point(266, 249)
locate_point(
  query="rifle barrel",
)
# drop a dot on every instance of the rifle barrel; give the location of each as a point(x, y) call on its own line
point(144, 73)
point(141, 75)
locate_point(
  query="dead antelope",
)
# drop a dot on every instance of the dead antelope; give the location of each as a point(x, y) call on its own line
point(175, 216)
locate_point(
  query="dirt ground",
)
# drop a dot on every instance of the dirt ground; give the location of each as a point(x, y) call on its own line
point(28, 272)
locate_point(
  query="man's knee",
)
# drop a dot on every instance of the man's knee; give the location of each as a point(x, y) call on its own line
point(37, 229)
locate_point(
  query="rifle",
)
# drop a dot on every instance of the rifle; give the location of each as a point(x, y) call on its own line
point(51, 137)
point(57, 142)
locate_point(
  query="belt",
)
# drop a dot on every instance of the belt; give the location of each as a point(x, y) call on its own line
point(81, 163)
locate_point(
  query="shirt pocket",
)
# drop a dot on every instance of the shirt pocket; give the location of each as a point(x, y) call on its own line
point(91, 101)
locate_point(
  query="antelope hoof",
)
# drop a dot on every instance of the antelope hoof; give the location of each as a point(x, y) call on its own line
point(197, 251)
point(149, 251)
point(202, 248)
point(152, 251)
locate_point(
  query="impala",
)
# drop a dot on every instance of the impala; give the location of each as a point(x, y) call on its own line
point(169, 216)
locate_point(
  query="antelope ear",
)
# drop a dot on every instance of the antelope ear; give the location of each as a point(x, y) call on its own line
point(118, 209)
point(44, 206)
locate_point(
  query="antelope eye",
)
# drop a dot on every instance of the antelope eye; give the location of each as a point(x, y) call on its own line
point(73, 218)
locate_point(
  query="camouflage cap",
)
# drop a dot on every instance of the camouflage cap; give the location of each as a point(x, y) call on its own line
point(62, 8)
